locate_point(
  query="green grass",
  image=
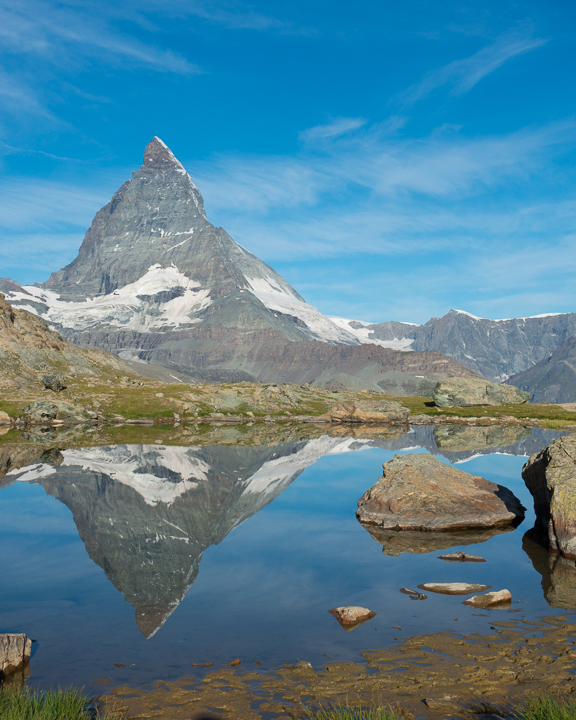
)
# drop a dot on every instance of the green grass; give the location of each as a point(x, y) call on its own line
point(16, 704)
point(547, 707)
point(347, 712)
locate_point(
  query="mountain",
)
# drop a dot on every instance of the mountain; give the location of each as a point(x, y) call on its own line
point(154, 281)
point(497, 349)
point(553, 379)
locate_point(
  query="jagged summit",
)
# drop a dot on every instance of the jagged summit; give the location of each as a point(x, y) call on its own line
point(158, 156)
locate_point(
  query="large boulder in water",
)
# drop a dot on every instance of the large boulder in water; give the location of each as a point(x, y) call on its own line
point(550, 475)
point(466, 392)
point(421, 493)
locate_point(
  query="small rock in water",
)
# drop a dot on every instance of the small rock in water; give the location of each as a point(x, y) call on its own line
point(235, 662)
point(461, 557)
point(352, 616)
point(201, 664)
point(414, 594)
point(15, 649)
point(501, 598)
point(454, 588)
point(440, 702)
point(119, 665)
point(103, 681)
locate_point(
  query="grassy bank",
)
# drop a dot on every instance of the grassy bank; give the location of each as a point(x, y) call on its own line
point(16, 704)
point(540, 707)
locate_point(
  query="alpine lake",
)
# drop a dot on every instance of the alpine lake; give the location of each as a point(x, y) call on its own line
point(143, 564)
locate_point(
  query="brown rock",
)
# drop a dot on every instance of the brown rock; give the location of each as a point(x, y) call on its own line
point(550, 475)
point(461, 557)
point(501, 598)
point(15, 651)
point(352, 616)
point(418, 492)
point(5, 418)
point(235, 662)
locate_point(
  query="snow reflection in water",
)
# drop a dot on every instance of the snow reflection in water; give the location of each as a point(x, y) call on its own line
point(147, 514)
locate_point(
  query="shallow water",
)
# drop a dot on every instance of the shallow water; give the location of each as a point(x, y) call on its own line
point(156, 557)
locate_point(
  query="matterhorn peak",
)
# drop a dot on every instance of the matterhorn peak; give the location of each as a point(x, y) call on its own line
point(158, 156)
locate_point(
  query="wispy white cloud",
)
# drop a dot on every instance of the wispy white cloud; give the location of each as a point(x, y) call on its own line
point(334, 129)
point(62, 34)
point(462, 75)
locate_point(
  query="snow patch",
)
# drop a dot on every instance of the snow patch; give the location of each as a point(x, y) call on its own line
point(277, 297)
point(363, 334)
point(125, 307)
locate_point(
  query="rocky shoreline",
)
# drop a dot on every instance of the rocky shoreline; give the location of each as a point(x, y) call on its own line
point(433, 675)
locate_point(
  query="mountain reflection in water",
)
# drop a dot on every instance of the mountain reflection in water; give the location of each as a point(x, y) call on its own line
point(146, 513)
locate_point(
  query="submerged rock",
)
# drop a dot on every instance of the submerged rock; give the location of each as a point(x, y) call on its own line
point(455, 588)
point(465, 392)
point(421, 493)
point(550, 475)
point(502, 598)
point(352, 616)
point(15, 651)
point(461, 557)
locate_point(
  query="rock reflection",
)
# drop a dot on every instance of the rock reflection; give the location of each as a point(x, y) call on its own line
point(558, 573)
point(396, 542)
point(462, 438)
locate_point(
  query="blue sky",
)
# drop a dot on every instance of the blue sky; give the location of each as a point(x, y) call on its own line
point(391, 160)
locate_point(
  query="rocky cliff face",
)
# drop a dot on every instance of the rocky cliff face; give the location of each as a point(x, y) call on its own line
point(497, 349)
point(553, 379)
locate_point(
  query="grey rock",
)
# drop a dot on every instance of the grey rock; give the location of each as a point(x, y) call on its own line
point(550, 475)
point(15, 649)
point(466, 392)
point(421, 493)
point(46, 412)
point(55, 382)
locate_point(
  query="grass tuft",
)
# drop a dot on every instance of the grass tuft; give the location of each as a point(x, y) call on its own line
point(348, 712)
point(16, 704)
point(548, 707)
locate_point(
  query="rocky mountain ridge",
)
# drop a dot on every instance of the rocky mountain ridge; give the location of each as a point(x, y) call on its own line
point(155, 282)
point(497, 349)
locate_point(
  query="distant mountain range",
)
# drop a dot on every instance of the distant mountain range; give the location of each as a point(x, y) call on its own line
point(155, 282)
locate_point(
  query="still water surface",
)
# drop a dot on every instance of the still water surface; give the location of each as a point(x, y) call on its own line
point(156, 557)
